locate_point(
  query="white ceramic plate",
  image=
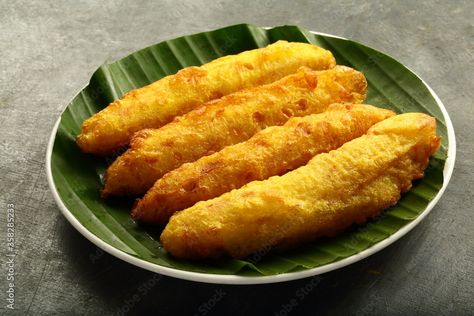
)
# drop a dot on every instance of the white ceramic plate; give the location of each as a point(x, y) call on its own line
point(237, 279)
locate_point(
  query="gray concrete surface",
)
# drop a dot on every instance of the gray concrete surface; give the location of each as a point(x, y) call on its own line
point(48, 52)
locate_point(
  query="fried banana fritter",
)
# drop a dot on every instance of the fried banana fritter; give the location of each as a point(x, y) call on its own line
point(158, 103)
point(227, 121)
point(273, 151)
point(333, 191)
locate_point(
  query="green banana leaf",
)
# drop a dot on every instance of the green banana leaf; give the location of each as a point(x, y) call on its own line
point(78, 176)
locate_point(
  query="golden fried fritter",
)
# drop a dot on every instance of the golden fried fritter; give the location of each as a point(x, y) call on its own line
point(333, 191)
point(227, 121)
point(273, 151)
point(158, 103)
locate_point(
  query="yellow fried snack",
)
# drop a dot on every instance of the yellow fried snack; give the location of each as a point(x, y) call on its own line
point(227, 121)
point(273, 151)
point(333, 191)
point(158, 103)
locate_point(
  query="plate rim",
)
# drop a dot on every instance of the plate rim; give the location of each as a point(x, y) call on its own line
point(241, 280)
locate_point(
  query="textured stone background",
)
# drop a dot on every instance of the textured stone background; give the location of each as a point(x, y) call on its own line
point(48, 52)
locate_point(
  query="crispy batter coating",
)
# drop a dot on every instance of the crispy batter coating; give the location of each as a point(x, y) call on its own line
point(273, 151)
point(333, 191)
point(158, 103)
point(227, 121)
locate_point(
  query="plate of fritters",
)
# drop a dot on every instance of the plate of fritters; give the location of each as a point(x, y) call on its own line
point(250, 155)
